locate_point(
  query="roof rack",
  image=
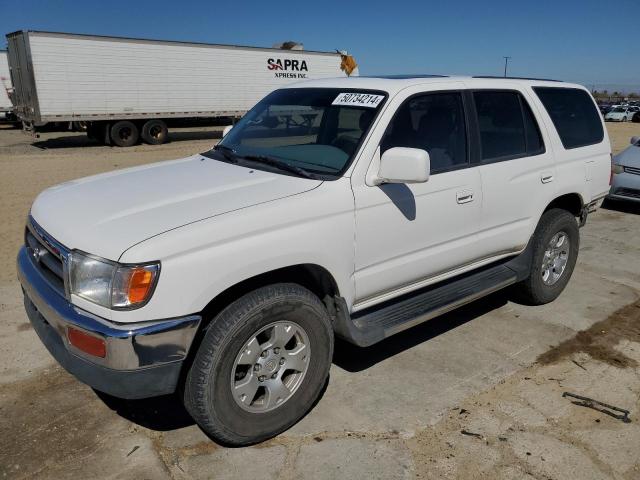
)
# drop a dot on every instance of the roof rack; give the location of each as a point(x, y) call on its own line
point(518, 78)
point(405, 76)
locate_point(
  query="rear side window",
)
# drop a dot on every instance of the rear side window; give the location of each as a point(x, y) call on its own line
point(506, 125)
point(574, 115)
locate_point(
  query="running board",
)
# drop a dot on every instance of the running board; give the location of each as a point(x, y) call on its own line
point(374, 324)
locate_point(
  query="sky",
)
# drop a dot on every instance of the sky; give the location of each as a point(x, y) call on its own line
point(595, 43)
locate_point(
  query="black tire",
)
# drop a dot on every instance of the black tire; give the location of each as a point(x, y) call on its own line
point(208, 396)
point(533, 290)
point(80, 126)
point(636, 118)
point(154, 132)
point(124, 133)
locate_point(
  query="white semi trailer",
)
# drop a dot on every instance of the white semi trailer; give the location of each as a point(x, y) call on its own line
point(126, 89)
point(5, 86)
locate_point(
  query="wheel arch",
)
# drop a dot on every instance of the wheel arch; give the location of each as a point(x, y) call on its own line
point(309, 275)
point(312, 276)
point(571, 202)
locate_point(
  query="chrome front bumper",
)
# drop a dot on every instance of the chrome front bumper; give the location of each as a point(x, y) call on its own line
point(142, 359)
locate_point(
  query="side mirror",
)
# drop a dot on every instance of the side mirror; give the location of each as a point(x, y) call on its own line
point(403, 165)
point(634, 140)
point(226, 130)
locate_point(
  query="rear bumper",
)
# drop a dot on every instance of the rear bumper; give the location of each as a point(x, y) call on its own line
point(142, 360)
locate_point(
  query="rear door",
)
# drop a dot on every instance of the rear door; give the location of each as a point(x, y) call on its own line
point(517, 169)
point(582, 147)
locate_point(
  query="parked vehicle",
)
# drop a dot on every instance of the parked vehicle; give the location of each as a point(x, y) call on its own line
point(354, 208)
point(636, 117)
point(6, 108)
point(604, 108)
point(124, 90)
point(626, 173)
point(621, 114)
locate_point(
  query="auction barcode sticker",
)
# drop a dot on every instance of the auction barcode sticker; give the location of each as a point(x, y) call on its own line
point(358, 100)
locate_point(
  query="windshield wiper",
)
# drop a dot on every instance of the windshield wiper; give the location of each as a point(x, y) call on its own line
point(227, 152)
point(279, 164)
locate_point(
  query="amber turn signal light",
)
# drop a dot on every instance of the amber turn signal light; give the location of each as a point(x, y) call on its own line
point(140, 283)
point(87, 343)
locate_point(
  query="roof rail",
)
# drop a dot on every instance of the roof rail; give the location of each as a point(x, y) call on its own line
point(518, 78)
point(405, 76)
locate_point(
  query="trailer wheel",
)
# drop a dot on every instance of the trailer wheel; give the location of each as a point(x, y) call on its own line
point(124, 134)
point(155, 132)
point(80, 126)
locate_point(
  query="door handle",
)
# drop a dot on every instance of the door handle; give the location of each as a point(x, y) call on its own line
point(546, 178)
point(464, 197)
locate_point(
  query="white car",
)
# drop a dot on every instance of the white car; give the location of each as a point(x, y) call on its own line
point(354, 208)
point(625, 182)
point(621, 114)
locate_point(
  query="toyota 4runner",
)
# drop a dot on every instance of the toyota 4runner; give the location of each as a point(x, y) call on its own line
point(354, 208)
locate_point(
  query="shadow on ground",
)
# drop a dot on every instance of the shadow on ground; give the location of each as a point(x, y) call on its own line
point(355, 359)
point(160, 413)
point(168, 413)
point(620, 206)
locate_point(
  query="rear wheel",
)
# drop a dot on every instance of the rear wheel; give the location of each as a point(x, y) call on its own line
point(261, 366)
point(124, 134)
point(154, 132)
point(555, 251)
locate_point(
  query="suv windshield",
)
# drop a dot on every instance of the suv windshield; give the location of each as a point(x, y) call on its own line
point(314, 130)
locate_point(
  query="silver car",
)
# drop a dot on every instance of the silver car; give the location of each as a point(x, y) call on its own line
point(625, 182)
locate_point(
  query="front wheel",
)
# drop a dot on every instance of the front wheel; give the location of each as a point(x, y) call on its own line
point(261, 366)
point(555, 251)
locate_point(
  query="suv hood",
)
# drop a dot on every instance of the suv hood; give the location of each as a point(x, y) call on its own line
point(108, 213)
point(629, 157)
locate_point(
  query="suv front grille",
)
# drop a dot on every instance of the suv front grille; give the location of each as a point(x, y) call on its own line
point(48, 255)
point(634, 170)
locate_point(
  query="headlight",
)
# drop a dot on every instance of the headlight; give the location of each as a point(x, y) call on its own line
point(617, 168)
point(111, 284)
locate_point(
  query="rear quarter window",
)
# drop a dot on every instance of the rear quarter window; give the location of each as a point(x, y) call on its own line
point(574, 115)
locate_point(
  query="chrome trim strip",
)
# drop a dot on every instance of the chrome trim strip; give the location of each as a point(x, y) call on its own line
point(129, 346)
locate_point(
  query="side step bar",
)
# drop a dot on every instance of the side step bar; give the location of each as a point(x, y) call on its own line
point(381, 321)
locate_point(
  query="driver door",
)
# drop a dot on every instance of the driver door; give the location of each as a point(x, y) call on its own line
point(409, 235)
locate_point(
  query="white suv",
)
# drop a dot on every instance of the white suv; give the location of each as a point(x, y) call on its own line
point(352, 207)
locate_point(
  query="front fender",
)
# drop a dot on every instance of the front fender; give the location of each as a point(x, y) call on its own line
point(203, 259)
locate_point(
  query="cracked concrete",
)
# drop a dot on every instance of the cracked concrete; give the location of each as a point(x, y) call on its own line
point(494, 369)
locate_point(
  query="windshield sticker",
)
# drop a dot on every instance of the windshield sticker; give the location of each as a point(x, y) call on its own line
point(358, 100)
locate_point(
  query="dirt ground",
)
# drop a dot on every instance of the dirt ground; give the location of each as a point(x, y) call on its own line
point(477, 393)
